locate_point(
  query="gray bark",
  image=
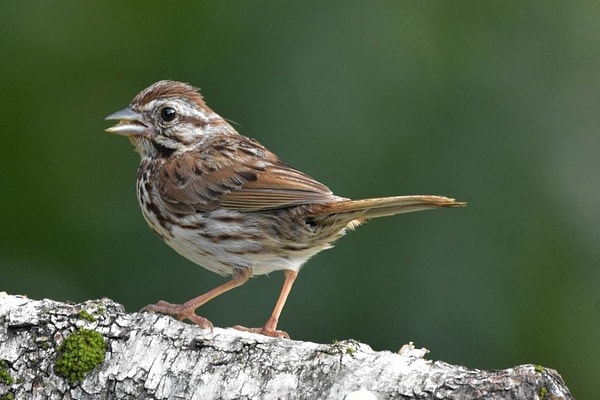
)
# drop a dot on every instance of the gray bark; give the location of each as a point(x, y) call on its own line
point(150, 356)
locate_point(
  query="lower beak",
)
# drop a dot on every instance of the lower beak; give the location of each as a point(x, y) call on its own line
point(130, 123)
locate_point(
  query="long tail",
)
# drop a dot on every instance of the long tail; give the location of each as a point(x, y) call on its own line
point(384, 206)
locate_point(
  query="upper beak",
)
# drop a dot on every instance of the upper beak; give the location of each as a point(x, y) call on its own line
point(130, 124)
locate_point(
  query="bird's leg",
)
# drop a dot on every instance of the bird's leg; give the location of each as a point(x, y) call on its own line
point(186, 310)
point(270, 327)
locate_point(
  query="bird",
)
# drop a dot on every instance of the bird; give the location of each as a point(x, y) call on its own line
point(227, 203)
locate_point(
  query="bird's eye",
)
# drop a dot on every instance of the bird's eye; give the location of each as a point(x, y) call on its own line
point(168, 114)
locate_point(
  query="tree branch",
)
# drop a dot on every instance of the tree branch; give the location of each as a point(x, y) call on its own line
point(47, 348)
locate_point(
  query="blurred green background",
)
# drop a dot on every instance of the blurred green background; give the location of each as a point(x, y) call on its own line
point(491, 102)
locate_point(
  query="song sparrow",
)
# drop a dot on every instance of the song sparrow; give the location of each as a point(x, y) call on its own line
point(227, 203)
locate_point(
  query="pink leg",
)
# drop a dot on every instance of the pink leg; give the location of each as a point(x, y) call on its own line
point(270, 327)
point(187, 310)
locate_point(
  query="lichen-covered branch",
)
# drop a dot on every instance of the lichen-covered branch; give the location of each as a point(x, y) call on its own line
point(91, 350)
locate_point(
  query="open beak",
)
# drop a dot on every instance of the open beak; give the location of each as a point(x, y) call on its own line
point(130, 124)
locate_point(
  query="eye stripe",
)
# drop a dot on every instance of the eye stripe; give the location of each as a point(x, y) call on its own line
point(193, 120)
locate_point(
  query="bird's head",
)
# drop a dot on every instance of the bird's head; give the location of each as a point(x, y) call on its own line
point(165, 118)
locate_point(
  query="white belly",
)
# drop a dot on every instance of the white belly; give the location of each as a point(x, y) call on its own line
point(222, 247)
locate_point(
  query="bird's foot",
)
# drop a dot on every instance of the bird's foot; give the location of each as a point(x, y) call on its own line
point(179, 311)
point(264, 331)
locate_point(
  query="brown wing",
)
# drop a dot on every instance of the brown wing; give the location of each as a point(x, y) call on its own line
point(238, 174)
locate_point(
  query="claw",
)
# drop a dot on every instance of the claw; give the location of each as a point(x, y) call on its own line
point(180, 312)
point(264, 331)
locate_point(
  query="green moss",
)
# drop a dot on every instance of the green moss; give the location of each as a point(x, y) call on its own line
point(539, 368)
point(86, 315)
point(7, 396)
point(344, 346)
point(81, 352)
point(542, 392)
point(5, 376)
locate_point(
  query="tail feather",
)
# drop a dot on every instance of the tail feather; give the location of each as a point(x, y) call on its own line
point(384, 206)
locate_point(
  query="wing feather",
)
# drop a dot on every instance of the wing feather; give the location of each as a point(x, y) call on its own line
point(238, 175)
